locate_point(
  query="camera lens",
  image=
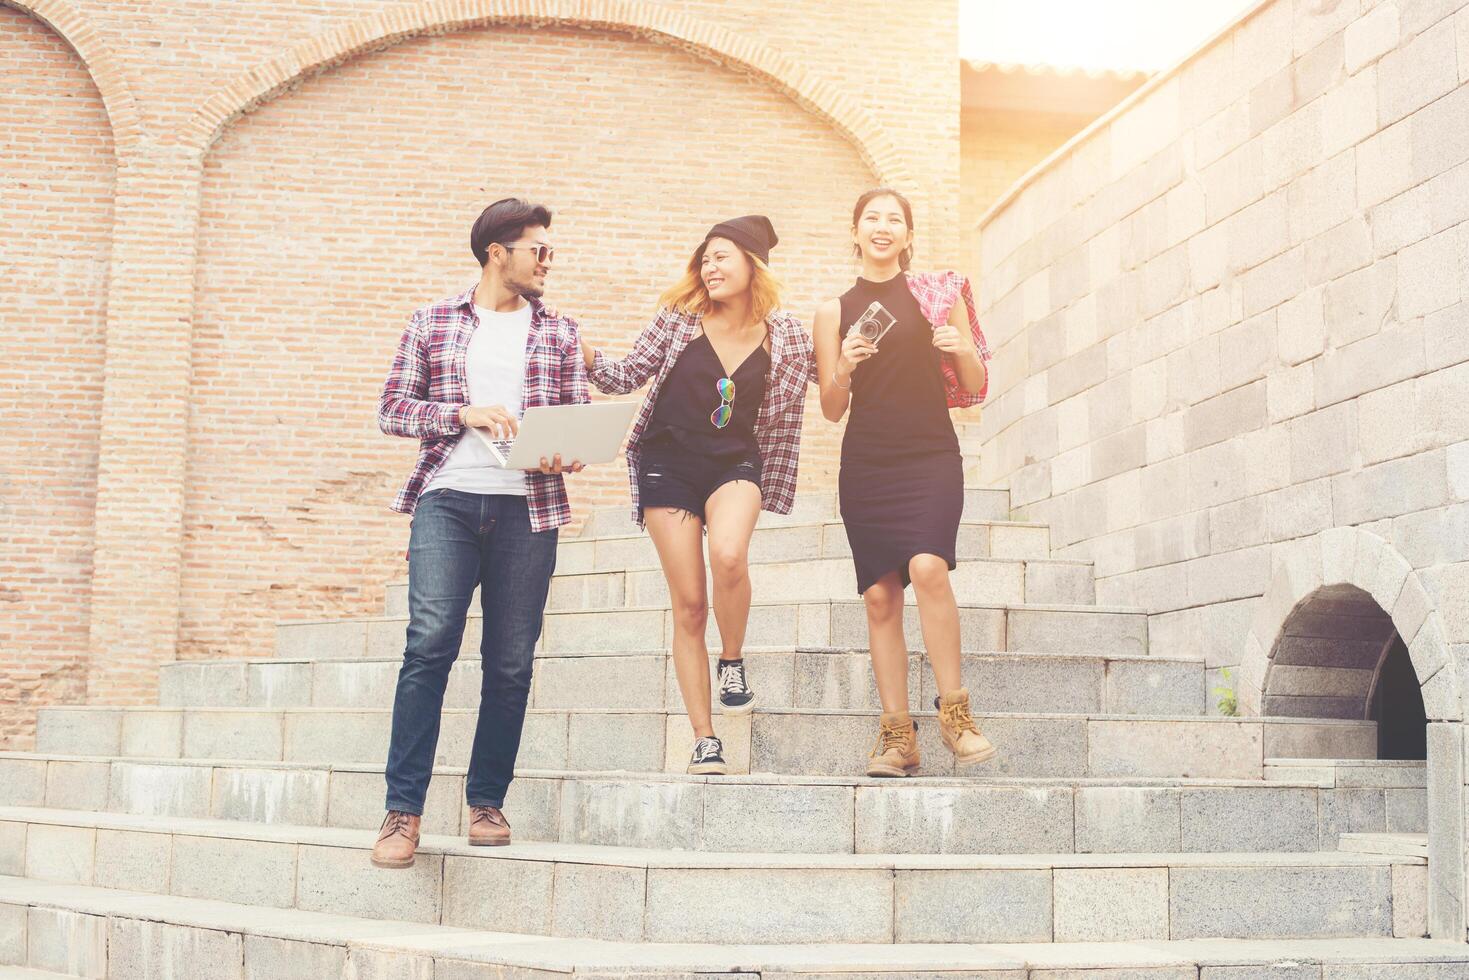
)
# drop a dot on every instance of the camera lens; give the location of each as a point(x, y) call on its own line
point(868, 329)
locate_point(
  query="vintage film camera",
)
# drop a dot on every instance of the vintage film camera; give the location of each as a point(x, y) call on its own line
point(874, 322)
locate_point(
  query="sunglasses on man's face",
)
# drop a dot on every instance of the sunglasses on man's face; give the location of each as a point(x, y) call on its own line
point(545, 254)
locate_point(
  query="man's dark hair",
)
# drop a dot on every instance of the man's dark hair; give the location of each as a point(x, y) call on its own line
point(503, 222)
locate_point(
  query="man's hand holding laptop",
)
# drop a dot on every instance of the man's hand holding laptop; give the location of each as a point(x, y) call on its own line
point(555, 466)
point(502, 424)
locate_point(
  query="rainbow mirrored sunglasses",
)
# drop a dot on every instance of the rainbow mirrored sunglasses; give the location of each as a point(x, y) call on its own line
point(721, 415)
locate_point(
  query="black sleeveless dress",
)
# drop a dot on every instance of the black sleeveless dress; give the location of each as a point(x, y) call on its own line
point(901, 483)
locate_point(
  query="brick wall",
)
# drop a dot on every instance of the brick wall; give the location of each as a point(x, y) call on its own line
point(307, 273)
point(236, 277)
point(1233, 318)
point(56, 187)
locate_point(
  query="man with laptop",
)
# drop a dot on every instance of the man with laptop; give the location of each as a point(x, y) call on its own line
point(487, 497)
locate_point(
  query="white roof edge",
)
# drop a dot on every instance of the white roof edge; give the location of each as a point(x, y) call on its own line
point(1106, 118)
point(1064, 71)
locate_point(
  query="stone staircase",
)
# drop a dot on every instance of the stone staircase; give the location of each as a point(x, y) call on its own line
point(1124, 833)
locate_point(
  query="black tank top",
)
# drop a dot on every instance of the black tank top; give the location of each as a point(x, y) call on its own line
point(690, 396)
point(898, 404)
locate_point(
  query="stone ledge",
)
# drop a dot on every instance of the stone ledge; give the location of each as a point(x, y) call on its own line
point(621, 893)
point(634, 857)
point(1056, 607)
point(787, 814)
point(278, 936)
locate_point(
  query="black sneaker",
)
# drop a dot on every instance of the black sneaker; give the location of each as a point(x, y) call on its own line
point(735, 696)
point(708, 758)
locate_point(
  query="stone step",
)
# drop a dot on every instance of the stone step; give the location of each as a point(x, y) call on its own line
point(979, 505)
point(794, 742)
point(778, 814)
point(1061, 629)
point(982, 580)
point(600, 571)
point(806, 538)
point(1348, 773)
point(969, 429)
point(1411, 844)
point(203, 939)
point(815, 538)
point(815, 677)
point(660, 896)
point(29, 973)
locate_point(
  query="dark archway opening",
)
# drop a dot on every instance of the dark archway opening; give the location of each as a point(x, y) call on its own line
point(1339, 655)
point(1397, 707)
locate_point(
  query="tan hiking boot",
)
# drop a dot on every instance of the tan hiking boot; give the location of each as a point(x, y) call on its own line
point(488, 827)
point(396, 841)
point(959, 731)
point(896, 751)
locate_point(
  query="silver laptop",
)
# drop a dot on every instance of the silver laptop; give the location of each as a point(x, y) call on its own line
point(586, 433)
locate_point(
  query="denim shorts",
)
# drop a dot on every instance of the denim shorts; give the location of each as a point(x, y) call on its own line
point(675, 479)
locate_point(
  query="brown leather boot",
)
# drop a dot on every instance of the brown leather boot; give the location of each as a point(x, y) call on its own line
point(896, 751)
point(959, 731)
point(488, 827)
point(396, 841)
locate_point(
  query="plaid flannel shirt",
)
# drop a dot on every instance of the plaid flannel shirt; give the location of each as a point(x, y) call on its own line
point(428, 384)
point(937, 292)
point(778, 423)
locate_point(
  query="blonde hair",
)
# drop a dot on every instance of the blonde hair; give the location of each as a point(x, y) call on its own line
point(689, 295)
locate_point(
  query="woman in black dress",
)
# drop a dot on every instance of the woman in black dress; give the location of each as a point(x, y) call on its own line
point(898, 348)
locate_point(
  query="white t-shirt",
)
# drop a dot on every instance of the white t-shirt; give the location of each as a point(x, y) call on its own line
point(495, 364)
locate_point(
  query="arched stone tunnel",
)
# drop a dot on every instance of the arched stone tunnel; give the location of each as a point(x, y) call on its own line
point(1339, 655)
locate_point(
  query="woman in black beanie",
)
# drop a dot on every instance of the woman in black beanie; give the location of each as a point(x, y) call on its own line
point(716, 440)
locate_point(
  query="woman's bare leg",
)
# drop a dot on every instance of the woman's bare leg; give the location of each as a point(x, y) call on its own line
point(679, 538)
point(731, 513)
point(884, 602)
point(938, 615)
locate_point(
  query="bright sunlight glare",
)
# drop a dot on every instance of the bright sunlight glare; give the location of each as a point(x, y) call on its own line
point(1093, 34)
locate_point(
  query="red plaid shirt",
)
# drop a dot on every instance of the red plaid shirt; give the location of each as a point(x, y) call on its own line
point(428, 384)
point(778, 423)
point(937, 292)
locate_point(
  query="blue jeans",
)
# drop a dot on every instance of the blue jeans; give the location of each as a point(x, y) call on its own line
point(459, 541)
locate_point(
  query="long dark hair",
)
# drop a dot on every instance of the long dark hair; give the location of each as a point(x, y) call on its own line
point(904, 260)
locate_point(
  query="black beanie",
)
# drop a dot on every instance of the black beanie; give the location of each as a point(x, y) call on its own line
point(754, 233)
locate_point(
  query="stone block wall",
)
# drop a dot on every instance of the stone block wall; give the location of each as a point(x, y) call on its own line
point(1234, 314)
point(999, 146)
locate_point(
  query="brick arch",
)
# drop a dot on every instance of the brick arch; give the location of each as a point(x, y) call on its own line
point(77, 30)
point(47, 569)
point(817, 95)
point(1376, 585)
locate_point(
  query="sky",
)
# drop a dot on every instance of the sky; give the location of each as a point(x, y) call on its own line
point(1096, 34)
